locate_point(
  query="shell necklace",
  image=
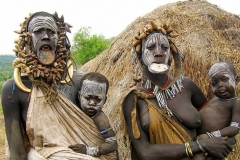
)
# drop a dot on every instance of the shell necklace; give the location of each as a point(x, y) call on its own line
point(163, 94)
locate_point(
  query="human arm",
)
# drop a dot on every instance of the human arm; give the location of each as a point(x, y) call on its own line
point(233, 129)
point(164, 151)
point(12, 116)
point(103, 124)
point(110, 144)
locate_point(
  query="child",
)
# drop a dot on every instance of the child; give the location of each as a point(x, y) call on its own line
point(92, 96)
point(220, 117)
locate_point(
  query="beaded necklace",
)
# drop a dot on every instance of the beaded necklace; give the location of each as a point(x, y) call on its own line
point(227, 99)
point(163, 94)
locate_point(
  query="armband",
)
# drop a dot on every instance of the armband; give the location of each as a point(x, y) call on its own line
point(93, 151)
point(188, 149)
point(200, 147)
point(235, 124)
point(216, 133)
point(109, 139)
point(106, 130)
point(210, 135)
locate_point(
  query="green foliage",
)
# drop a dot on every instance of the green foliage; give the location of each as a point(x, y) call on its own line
point(6, 68)
point(1, 110)
point(86, 46)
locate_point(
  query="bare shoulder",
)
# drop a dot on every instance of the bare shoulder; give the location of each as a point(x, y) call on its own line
point(101, 120)
point(8, 84)
point(236, 103)
point(187, 81)
point(103, 124)
point(128, 102)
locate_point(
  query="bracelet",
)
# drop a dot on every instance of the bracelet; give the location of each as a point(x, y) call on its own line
point(109, 139)
point(216, 133)
point(210, 135)
point(106, 130)
point(93, 151)
point(186, 149)
point(189, 149)
point(200, 146)
point(235, 124)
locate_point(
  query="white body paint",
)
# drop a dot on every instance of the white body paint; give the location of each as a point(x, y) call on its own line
point(148, 56)
point(92, 89)
point(41, 22)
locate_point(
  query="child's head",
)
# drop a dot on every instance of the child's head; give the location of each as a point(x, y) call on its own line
point(223, 79)
point(93, 92)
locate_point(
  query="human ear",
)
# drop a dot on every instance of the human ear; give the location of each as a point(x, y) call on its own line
point(236, 79)
point(105, 100)
point(79, 94)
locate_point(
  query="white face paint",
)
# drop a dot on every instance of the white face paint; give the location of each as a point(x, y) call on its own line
point(40, 23)
point(223, 69)
point(92, 96)
point(156, 52)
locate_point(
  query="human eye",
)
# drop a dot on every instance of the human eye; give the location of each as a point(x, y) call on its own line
point(213, 83)
point(225, 79)
point(87, 97)
point(164, 46)
point(51, 31)
point(37, 31)
point(151, 46)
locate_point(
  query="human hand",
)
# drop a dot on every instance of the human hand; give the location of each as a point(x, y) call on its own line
point(79, 148)
point(202, 136)
point(216, 146)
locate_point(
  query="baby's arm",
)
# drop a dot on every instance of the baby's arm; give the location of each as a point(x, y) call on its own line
point(110, 144)
point(103, 124)
point(233, 129)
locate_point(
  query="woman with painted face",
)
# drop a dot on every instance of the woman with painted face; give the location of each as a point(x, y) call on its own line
point(92, 96)
point(41, 119)
point(161, 110)
point(220, 117)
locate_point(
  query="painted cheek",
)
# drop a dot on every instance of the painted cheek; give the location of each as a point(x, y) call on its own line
point(34, 40)
point(55, 39)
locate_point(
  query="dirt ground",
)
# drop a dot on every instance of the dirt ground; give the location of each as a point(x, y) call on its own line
point(2, 139)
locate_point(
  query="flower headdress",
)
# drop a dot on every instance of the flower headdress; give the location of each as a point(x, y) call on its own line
point(141, 34)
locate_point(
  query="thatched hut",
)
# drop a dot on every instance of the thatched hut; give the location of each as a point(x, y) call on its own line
point(207, 34)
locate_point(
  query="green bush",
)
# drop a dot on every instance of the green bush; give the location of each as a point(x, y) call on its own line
point(86, 46)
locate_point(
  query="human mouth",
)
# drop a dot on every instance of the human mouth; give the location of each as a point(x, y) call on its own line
point(223, 92)
point(45, 48)
point(91, 110)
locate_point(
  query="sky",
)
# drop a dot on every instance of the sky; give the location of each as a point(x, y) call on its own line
point(106, 17)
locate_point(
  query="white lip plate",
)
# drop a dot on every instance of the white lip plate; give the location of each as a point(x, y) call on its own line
point(158, 68)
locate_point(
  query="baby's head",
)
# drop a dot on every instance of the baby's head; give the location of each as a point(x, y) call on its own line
point(93, 93)
point(223, 79)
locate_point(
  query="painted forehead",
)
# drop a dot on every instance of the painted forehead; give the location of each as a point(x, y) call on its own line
point(220, 68)
point(93, 86)
point(157, 37)
point(39, 22)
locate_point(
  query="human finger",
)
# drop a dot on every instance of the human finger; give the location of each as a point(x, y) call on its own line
point(225, 138)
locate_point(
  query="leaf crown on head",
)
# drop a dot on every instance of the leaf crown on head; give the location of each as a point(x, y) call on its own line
point(144, 31)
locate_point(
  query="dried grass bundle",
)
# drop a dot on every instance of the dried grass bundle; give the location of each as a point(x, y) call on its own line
point(207, 34)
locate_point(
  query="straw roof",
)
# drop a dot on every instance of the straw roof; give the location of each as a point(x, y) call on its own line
point(207, 34)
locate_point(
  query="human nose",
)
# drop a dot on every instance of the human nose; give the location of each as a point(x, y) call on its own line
point(158, 50)
point(91, 102)
point(220, 84)
point(45, 36)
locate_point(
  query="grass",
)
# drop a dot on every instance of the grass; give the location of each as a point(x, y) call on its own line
point(1, 110)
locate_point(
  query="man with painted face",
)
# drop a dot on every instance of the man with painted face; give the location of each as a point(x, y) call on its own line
point(92, 96)
point(161, 110)
point(40, 122)
point(220, 117)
